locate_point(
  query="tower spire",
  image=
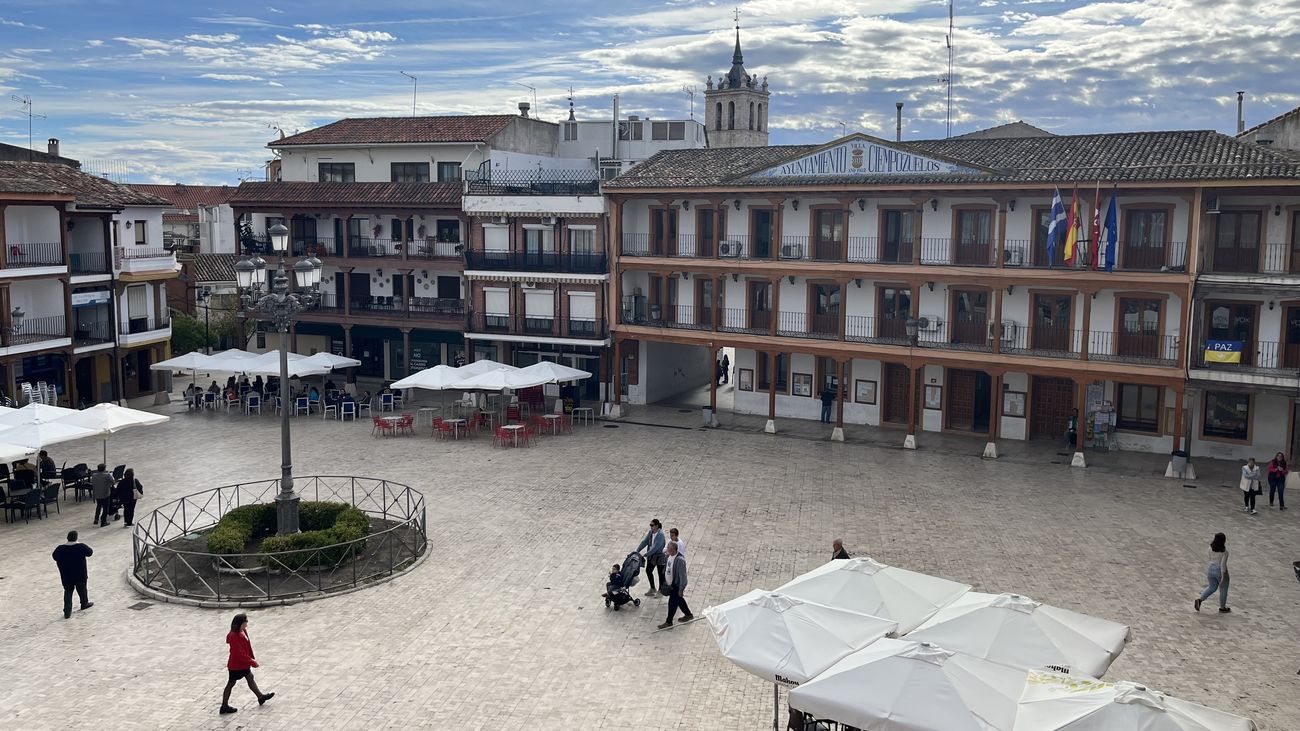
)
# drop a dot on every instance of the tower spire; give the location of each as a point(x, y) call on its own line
point(737, 58)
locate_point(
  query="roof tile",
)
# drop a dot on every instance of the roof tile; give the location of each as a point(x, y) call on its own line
point(86, 189)
point(402, 195)
point(400, 130)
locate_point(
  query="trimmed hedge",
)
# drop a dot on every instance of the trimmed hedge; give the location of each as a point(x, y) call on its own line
point(323, 524)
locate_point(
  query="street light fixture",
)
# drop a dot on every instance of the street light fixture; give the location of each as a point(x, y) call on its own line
point(16, 319)
point(203, 296)
point(278, 303)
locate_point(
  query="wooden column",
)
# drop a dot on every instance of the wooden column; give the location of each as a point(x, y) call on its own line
point(1000, 254)
point(63, 236)
point(406, 351)
point(293, 337)
point(1184, 327)
point(616, 372)
point(347, 235)
point(771, 386)
point(713, 381)
point(67, 306)
point(845, 370)
point(995, 408)
point(1178, 417)
point(911, 399)
point(1081, 403)
point(347, 340)
point(4, 243)
point(469, 351)
point(346, 273)
point(407, 282)
point(776, 304)
point(917, 229)
point(11, 381)
point(408, 237)
point(844, 305)
point(1086, 335)
point(997, 320)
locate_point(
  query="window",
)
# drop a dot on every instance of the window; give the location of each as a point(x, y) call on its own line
point(582, 241)
point(717, 116)
point(570, 131)
point(582, 313)
point(396, 230)
point(667, 130)
point(828, 234)
point(765, 375)
point(731, 115)
point(448, 288)
point(496, 238)
point(1236, 242)
point(337, 172)
point(539, 310)
point(629, 131)
point(974, 227)
point(448, 172)
point(827, 377)
point(141, 232)
point(1139, 407)
point(825, 318)
point(760, 117)
point(1144, 239)
point(496, 308)
point(751, 115)
point(1227, 416)
point(409, 172)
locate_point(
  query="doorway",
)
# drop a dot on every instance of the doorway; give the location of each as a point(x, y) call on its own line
point(897, 381)
point(84, 377)
point(359, 283)
point(761, 224)
point(1052, 403)
point(968, 400)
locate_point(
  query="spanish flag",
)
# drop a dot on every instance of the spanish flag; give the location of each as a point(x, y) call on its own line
point(1072, 232)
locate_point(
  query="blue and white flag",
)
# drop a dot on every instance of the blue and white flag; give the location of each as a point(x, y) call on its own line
point(1110, 232)
point(1055, 226)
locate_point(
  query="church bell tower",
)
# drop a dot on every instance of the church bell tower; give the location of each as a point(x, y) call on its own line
point(735, 111)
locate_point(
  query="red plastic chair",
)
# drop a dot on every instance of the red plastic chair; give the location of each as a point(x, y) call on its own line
point(500, 438)
point(380, 426)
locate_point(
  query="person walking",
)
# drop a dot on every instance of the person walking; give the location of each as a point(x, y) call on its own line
point(726, 368)
point(676, 587)
point(1250, 485)
point(676, 539)
point(838, 547)
point(1277, 472)
point(241, 663)
point(71, 558)
point(128, 492)
point(828, 400)
point(655, 559)
point(101, 489)
point(1216, 574)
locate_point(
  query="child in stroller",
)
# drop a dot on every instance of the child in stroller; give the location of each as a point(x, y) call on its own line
point(622, 578)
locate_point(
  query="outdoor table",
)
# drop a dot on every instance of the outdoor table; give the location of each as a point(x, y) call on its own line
point(391, 421)
point(553, 420)
point(489, 416)
point(456, 426)
point(430, 410)
point(586, 413)
point(514, 430)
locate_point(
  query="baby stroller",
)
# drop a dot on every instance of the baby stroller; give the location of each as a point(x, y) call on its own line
point(622, 579)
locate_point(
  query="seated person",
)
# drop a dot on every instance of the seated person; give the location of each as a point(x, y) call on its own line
point(329, 386)
point(258, 385)
point(364, 398)
point(48, 469)
point(313, 395)
point(25, 471)
point(385, 390)
point(231, 384)
point(214, 388)
point(231, 394)
point(615, 581)
point(193, 395)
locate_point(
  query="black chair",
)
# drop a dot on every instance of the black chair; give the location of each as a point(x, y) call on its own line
point(8, 505)
point(31, 502)
point(49, 494)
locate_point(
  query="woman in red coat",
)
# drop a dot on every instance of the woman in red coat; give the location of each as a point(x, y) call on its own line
point(241, 663)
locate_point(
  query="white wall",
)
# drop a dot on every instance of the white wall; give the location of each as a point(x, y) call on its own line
point(38, 297)
point(373, 164)
point(1270, 421)
point(1014, 427)
point(153, 226)
point(31, 225)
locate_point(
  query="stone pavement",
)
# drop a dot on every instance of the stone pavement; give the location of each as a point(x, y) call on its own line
point(503, 627)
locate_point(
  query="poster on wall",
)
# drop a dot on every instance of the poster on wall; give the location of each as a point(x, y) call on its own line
point(803, 384)
point(1013, 404)
point(934, 397)
point(746, 379)
point(864, 392)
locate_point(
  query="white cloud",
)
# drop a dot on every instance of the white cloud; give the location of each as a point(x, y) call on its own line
point(20, 24)
point(230, 77)
point(94, 43)
point(223, 38)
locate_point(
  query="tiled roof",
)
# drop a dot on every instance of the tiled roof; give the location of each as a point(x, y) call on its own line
point(87, 190)
point(1003, 131)
point(399, 195)
point(1278, 118)
point(15, 153)
point(399, 130)
point(188, 197)
point(1064, 159)
point(211, 267)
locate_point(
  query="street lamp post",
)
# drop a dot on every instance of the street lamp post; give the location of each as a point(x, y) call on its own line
point(203, 296)
point(279, 305)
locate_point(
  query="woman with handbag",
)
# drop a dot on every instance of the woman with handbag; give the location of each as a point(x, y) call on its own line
point(1250, 485)
point(1277, 472)
point(1216, 574)
point(128, 492)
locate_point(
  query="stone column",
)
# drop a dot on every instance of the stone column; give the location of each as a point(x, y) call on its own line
point(1081, 403)
point(995, 417)
point(844, 368)
point(770, 426)
point(909, 441)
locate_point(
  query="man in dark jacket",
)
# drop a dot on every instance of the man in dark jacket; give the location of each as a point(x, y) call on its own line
point(654, 543)
point(71, 558)
point(676, 587)
point(838, 546)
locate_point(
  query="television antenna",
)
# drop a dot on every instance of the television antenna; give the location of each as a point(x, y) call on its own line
point(947, 79)
point(689, 90)
point(534, 90)
point(26, 103)
point(414, 89)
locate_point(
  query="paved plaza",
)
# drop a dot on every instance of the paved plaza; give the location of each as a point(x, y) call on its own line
point(503, 626)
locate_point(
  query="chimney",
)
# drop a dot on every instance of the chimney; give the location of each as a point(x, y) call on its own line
point(898, 122)
point(1241, 117)
point(523, 109)
point(53, 146)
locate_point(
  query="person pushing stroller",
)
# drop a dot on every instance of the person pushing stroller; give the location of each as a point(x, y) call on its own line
point(621, 579)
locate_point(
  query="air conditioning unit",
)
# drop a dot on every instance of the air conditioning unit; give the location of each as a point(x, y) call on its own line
point(729, 248)
point(501, 220)
point(549, 220)
point(928, 324)
point(1013, 258)
point(1212, 207)
point(792, 251)
point(1008, 330)
point(530, 285)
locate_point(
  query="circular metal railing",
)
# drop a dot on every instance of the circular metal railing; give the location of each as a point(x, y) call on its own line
point(170, 553)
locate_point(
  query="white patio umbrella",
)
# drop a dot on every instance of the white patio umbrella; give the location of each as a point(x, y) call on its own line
point(15, 452)
point(1019, 632)
point(556, 372)
point(479, 367)
point(437, 378)
point(38, 434)
point(191, 361)
point(268, 364)
point(332, 361)
point(1055, 702)
point(499, 379)
point(106, 419)
point(31, 413)
point(864, 585)
point(898, 685)
point(789, 641)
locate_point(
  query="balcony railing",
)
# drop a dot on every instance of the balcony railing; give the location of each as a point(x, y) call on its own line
point(89, 262)
point(139, 325)
point(542, 182)
point(317, 246)
point(1135, 257)
point(1133, 347)
point(34, 255)
point(431, 248)
point(873, 250)
point(554, 327)
point(373, 247)
point(36, 330)
point(805, 325)
point(1269, 358)
point(92, 332)
point(538, 261)
point(144, 252)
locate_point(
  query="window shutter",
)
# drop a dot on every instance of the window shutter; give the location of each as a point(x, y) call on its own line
point(496, 301)
point(539, 304)
point(496, 238)
point(582, 306)
point(137, 305)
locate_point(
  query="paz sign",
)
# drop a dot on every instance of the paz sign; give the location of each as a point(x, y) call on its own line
point(866, 158)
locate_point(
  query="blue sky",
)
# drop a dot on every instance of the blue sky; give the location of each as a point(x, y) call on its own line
point(185, 92)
